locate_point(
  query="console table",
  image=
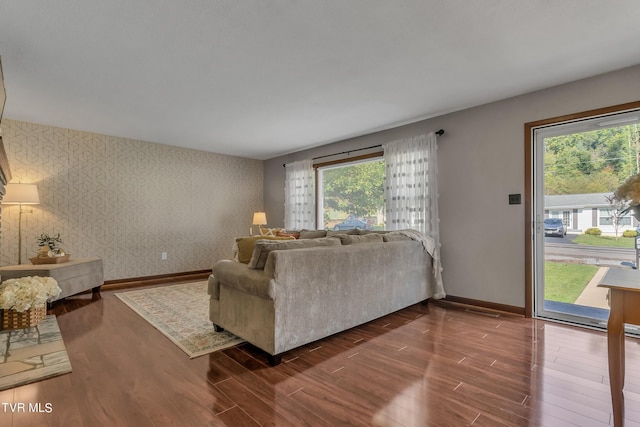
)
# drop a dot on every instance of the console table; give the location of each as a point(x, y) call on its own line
point(73, 276)
point(624, 297)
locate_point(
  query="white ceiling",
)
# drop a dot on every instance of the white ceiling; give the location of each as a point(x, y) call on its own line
point(261, 78)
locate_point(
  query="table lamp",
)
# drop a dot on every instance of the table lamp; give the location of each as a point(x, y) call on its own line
point(259, 218)
point(21, 194)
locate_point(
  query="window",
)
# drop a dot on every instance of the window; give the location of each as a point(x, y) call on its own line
point(351, 194)
point(606, 218)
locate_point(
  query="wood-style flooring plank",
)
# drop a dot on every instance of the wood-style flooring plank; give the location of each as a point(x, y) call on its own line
point(425, 365)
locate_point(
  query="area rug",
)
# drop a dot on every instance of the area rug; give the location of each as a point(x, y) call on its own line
point(181, 313)
point(32, 354)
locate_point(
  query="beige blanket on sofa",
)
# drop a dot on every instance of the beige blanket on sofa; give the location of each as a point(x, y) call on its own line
point(429, 245)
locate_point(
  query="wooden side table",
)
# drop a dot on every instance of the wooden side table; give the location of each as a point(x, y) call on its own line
point(624, 298)
point(74, 276)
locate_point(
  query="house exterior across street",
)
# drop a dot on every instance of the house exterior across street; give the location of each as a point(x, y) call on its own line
point(582, 211)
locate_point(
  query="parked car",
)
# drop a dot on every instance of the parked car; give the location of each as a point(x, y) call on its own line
point(353, 222)
point(554, 227)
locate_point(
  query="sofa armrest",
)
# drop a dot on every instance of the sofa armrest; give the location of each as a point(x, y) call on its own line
point(240, 276)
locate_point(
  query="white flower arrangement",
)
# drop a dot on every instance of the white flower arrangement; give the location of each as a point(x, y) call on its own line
point(25, 292)
point(629, 191)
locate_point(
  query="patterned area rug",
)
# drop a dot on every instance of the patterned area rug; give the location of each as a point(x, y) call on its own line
point(32, 354)
point(181, 313)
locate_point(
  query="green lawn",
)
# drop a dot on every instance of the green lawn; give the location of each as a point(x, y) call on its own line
point(564, 282)
point(622, 242)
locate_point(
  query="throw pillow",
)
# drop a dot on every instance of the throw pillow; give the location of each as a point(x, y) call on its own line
point(285, 233)
point(263, 248)
point(246, 244)
point(270, 231)
point(357, 239)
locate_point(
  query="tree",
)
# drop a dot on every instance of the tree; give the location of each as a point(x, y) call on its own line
point(618, 209)
point(591, 162)
point(355, 189)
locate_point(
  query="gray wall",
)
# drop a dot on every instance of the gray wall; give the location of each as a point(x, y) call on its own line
point(481, 161)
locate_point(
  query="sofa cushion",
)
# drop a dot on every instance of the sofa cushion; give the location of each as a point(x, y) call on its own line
point(336, 232)
point(312, 234)
point(263, 248)
point(246, 244)
point(395, 237)
point(363, 232)
point(347, 239)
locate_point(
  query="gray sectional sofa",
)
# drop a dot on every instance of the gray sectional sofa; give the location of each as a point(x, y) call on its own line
point(294, 292)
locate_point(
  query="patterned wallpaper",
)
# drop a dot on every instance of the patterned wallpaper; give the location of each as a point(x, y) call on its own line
point(127, 201)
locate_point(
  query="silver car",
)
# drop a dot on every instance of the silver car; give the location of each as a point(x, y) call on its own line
point(554, 227)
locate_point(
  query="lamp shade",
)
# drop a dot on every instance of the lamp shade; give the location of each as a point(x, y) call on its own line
point(259, 218)
point(21, 194)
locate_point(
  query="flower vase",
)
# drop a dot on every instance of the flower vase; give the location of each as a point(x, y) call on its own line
point(45, 252)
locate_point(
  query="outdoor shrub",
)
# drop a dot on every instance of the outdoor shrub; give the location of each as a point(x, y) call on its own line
point(593, 231)
point(629, 233)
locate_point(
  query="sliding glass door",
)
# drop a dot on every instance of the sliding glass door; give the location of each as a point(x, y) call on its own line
point(580, 231)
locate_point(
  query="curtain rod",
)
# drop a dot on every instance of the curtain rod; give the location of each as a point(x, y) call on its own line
point(438, 132)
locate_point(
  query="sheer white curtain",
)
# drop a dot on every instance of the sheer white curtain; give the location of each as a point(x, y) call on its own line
point(411, 191)
point(300, 196)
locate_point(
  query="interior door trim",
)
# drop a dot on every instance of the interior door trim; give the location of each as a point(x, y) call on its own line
point(528, 186)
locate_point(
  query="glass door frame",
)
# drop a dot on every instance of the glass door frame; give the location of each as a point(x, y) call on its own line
point(534, 200)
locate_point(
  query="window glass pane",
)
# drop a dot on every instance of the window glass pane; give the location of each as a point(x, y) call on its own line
point(606, 220)
point(351, 195)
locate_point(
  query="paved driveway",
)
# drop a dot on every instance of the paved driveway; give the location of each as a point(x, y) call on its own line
point(568, 239)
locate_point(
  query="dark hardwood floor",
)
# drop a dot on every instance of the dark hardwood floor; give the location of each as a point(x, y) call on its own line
point(423, 366)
